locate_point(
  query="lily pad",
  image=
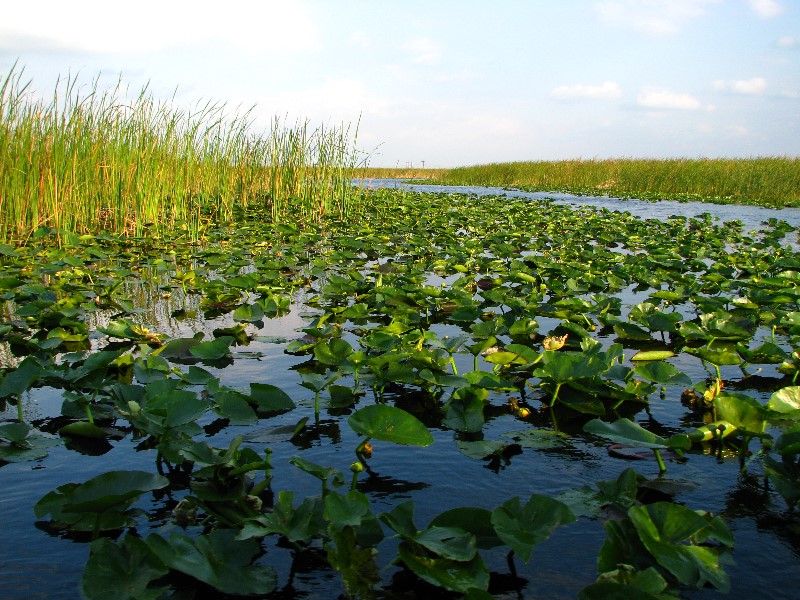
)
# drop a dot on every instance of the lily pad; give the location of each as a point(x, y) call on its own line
point(390, 424)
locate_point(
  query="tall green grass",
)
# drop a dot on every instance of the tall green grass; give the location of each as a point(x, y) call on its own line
point(773, 181)
point(91, 158)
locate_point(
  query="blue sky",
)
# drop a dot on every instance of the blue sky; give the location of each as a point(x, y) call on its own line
point(450, 82)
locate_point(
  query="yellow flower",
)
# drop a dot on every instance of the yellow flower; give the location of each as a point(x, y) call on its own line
point(554, 342)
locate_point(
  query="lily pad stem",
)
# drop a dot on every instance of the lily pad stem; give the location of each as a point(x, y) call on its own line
point(555, 394)
point(661, 466)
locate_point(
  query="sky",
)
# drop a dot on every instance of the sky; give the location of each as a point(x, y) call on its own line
point(446, 83)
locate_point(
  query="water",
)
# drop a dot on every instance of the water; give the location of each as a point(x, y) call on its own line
point(753, 217)
point(39, 565)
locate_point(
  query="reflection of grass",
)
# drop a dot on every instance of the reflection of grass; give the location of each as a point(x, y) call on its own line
point(91, 158)
point(771, 182)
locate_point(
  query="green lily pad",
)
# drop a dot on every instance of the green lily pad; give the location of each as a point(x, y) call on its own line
point(122, 570)
point(643, 355)
point(390, 424)
point(625, 431)
point(217, 559)
point(523, 527)
point(458, 576)
point(786, 401)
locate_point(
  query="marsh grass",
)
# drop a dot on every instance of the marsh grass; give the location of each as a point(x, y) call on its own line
point(91, 158)
point(405, 173)
point(770, 181)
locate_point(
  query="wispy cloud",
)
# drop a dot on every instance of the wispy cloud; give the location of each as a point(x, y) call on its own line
point(666, 99)
point(608, 90)
point(787, 41)
point(651, 17)
point(766, 9)
point(424, 51)
point(754, 86)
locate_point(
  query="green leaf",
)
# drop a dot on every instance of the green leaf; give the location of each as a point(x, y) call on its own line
point(356, 564)
point(390, 424)
point(179, 348)
point(631, 331)
point(786, 400)
point(99, 504)
point(523, 527)
point(123, 570)
point(789, 441)
point(652, 355)
point(448, 542)
point(347, 510)
point(743, 411)
point(83, 429)
point(477, 521)
point(313, 469)
point(401, 520)
point(465, 414)
point(663, 527)
point(218, 559)
point(718, 354)
point(627, 432)
point(270, 398)
point(458, 576)
point(481, 449)
point(248, 313)
point(333, 352)
point(25, 444)
point(214, 349)
point(298, 524)
point(20, 379)
point(766, 353)
point(113, 488)
point(663, 373)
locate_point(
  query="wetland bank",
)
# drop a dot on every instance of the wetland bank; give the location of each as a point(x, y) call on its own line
point(385, 391)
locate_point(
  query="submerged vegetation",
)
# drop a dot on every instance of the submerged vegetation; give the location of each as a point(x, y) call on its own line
point(770, 181)
point(463, 331)
point(92, 158)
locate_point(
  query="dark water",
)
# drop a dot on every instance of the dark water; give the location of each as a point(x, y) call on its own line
point(35, 564)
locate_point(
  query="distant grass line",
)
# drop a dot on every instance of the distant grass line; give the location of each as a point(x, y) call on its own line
point(390, 173)
point(770, 181)
point(91, 159)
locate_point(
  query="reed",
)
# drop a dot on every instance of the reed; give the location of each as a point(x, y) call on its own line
point(91, 158)
point(398, 173)
point(767, 181)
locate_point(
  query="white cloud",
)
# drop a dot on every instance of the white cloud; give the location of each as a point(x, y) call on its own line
point(754, 86)
point(665, 99)
point(651, 16)
point(607, 90)
point(766, 9)
point(424, 50)
point(113, 27)
point(787, 41)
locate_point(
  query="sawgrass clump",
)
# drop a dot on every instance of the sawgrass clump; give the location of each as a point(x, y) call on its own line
point(93, 159)
point(768, 181)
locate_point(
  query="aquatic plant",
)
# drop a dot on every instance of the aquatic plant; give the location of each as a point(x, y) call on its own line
point(488, 330)
point(765, 181)
point(94, 159)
